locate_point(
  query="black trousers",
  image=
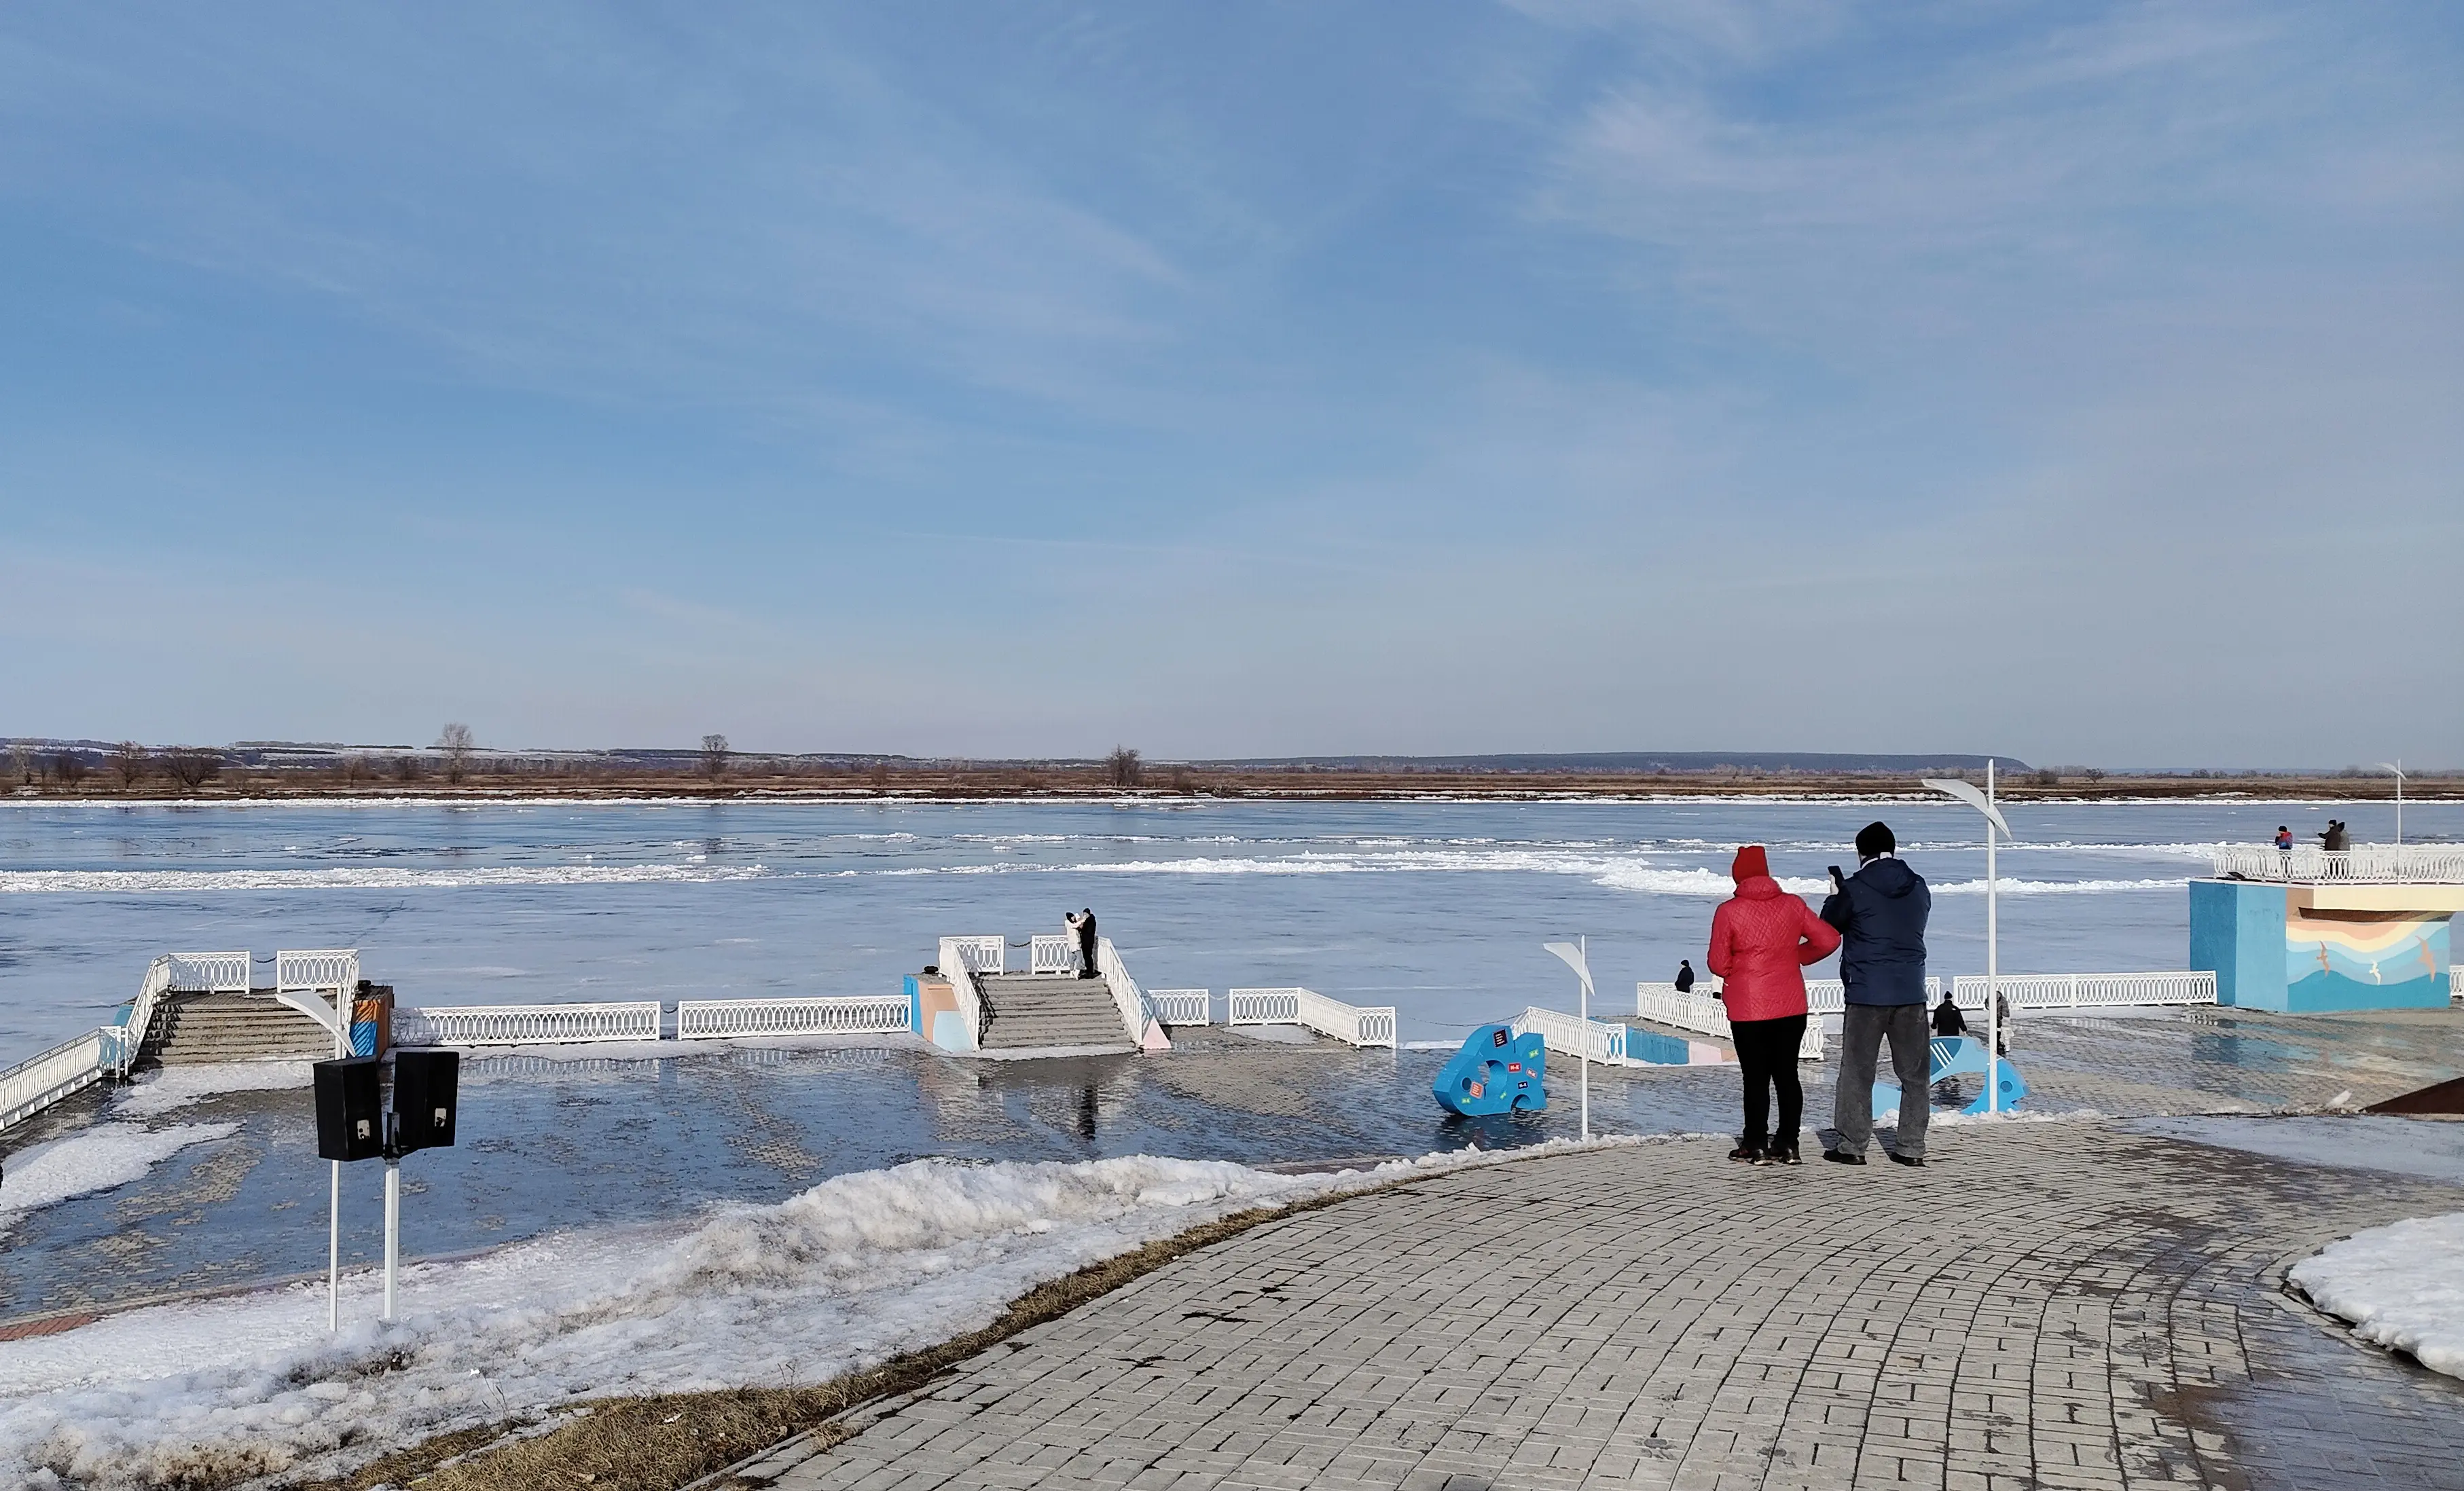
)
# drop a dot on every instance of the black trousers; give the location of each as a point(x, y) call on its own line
point(1767, 1056)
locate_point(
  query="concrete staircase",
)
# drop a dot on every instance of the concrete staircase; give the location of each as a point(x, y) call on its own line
point(1033, 1011)
point(197, 1028)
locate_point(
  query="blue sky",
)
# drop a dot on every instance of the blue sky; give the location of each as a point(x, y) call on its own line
point(2078, 381)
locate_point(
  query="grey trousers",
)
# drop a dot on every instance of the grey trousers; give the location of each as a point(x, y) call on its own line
point(1861, 1030)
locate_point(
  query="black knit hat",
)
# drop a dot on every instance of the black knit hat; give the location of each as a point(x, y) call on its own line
point(1875, 839)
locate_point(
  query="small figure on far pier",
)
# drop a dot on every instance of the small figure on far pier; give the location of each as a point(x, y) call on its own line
point(1086, 943)
point(1685, 975)
point(1947, 1021)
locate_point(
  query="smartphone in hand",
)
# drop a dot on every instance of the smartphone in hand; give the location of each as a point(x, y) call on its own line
point(1838, 884)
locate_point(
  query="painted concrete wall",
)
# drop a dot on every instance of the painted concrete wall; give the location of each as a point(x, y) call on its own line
point(2237, 934)
point(2270, 951)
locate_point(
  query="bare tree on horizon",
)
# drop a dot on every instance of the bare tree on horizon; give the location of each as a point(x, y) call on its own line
point(129, 762)
point(1125, 767)
point(713, 756)
point(453, 743)
point(191, 766)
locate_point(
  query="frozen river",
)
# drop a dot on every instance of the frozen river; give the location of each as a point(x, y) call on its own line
point(207, 1177)
point(1438, 908)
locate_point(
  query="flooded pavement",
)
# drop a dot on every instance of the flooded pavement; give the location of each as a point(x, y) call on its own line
point(577, 1140)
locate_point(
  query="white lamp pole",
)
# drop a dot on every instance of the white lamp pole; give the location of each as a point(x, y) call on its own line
point(2397, 767)
point(333, 1020)
point(1575, 954)
point(1983, 802)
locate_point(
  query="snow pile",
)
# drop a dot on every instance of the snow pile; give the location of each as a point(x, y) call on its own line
point(2401, 1285)
point(177, 1087)
point(856, 1270)
point(96, 1159)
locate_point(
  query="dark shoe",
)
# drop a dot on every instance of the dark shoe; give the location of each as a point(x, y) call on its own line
point(1781, 1154)
point(1747, 1154)
point(1842, 1157)
point(1912, 1161)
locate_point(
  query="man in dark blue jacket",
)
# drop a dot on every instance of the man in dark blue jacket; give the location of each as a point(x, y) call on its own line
point(1880, 912)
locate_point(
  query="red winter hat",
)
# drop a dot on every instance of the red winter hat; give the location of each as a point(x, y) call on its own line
point(1751, 862)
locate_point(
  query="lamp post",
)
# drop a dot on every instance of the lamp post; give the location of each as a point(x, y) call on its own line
point(1983, 802)
point(2397, 767)
point(334, 1020)
point(1573, 954)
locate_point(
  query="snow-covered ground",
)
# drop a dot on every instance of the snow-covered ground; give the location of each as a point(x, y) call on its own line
point(91, 1160)
point(856, 1269)
point(2401, 1285)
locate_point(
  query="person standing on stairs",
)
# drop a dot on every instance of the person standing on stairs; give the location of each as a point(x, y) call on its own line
point(1762, 938)
point(1086, 968)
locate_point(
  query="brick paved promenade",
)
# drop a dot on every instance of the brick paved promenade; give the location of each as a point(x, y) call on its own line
point(2053, 1305)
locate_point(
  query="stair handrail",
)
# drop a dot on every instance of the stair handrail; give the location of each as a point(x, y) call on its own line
point(31, 1085)
point(122, 1049)
point(1137, 1011)
point(961, 958)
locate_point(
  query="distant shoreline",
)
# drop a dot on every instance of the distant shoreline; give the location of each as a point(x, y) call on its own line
point(266, 789)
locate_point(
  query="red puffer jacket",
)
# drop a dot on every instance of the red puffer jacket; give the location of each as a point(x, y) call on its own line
point(1761, 940)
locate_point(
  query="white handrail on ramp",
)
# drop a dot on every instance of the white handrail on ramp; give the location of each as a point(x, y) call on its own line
point(64, 1070)
point(1662, 1004)
point(1355, 1025)
point(961, 959)
point(1565, 1034)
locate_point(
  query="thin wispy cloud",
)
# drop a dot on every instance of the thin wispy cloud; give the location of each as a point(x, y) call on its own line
point(1318, 383)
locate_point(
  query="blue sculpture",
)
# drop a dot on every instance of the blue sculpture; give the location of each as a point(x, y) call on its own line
point(1497, 1072)
point(1956, 1056)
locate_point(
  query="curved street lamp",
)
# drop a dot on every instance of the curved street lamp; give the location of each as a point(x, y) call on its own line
point(1573, 954)
point(2397, 767)
point(1983, 802)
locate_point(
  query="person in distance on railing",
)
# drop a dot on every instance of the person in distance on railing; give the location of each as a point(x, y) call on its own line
point(1762, 938)
point(1685, 977)
point(1069, 929)
point(1947, 1021)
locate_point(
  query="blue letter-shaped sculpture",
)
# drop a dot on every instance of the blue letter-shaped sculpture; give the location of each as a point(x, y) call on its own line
point(1955, 1056)
point(1497, 1072)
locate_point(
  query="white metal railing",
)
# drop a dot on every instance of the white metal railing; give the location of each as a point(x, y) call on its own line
point(2087, 990)
point(1127, 998)
point(961, 958)
point(864, 1014)
point(2437, 864)
point(1051, 952)
point(2455, 984)
point(1181, 1006)
point(525, 1024)
point(208, 972)
point(69, 1068)
point(976, 954)
point(1662, 1004)
point(317, 970)
point(1822, 996)
point(1362, 1026)
point(1567, 1035)
point(124, 1042)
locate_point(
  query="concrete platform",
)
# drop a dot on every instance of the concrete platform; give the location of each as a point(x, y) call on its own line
point(2050, 1305)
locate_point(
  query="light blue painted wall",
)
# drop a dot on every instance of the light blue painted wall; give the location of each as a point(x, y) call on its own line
point(2237, 934)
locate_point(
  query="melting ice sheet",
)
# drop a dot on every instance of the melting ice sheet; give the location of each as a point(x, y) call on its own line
point(852, 1271)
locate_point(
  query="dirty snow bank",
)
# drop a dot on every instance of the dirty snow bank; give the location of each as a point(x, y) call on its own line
point(857, 1269)
point(2401, 1285)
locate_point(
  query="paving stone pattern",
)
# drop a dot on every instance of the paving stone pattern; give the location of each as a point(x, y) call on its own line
point(2047, 1305)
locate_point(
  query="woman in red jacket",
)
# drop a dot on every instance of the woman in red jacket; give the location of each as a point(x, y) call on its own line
point(1762, 938)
